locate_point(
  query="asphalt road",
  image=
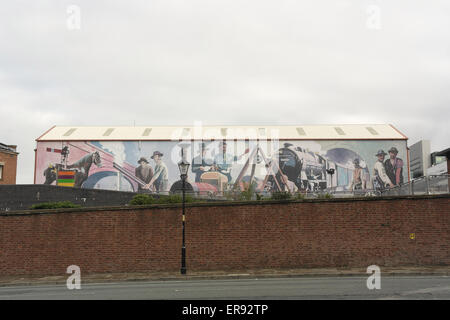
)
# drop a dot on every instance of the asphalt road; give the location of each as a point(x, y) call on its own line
point(392, 287)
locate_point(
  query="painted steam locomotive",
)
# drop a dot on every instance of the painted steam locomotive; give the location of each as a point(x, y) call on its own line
point(305, 169)
point(309, 170)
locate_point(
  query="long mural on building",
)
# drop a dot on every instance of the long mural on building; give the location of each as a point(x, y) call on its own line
point(152, 166)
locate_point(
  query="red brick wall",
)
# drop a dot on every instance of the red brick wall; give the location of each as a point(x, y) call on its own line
point(338, 233)
point(9, 168)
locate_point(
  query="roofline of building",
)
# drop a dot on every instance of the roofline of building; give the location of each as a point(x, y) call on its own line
point(11, 149)
point(245, 139)
point(37, 139)
point(444, 152)
point(192, 137)
point(9, 152)
point(399, 131)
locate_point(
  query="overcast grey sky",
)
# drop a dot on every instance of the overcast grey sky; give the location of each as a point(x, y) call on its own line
point(166, 62)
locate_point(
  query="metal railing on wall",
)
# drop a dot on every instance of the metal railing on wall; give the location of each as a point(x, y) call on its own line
point(433, 184)
point(436, 184)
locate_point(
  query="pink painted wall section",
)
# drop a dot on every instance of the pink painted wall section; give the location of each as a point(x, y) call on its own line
point(48, 154)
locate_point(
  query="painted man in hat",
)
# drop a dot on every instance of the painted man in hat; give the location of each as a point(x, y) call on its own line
point(358, 176)
point(160, 178)
point(223, 161)
point(200, 164)
point(394, 167)
point(144, 172)
point(381, 179)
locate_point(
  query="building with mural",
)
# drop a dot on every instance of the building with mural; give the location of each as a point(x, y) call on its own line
point(273, 158)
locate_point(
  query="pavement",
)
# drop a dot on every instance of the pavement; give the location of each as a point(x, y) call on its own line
point(405, 287)
point(223, 275)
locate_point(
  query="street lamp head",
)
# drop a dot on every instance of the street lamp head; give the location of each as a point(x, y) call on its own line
point(183, 165)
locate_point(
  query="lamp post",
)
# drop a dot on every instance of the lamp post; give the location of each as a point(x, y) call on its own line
point(183, 165)
point(331, 172)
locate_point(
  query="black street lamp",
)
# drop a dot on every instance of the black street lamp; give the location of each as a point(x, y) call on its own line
point(183, 165)
point(331, 172)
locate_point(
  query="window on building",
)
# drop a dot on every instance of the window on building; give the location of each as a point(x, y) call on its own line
point(439, 159)
point(1, 171)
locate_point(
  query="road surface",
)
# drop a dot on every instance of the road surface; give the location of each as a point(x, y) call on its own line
point(300, 288)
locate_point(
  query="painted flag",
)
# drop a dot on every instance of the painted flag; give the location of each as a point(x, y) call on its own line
point(66, 178)
point(54, 150)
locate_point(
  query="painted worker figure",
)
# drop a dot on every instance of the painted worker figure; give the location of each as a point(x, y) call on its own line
point(223, 161)
point(160, 179)
point(366, 179)
point(144, 172)
point(358, 176)
point(381, 179)
point(200, 164)
point(50, 174)
point(285, 184)
point(394, 167)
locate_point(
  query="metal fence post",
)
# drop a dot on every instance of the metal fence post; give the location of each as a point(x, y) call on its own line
point(448, 183)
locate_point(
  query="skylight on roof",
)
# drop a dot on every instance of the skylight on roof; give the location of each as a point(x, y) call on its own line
point(69, 132)
point(108, 132)
point(301, 131)
point(339, 131)
point(146, 132)
point(372, 131)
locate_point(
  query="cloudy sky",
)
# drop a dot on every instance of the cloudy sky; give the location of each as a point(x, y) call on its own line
point(170, 62)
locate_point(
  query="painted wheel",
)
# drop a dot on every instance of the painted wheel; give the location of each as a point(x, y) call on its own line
point(107, 180)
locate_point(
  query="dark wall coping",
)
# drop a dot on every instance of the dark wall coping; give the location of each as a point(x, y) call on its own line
point(46, 186)
point(216, 204)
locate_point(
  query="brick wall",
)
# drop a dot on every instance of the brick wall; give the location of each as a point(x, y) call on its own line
point(9, 161)
point(327, 233)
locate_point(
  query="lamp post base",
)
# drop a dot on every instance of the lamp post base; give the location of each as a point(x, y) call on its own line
point(183, 260)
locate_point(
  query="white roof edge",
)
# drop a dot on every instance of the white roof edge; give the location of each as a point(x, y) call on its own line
point(209, 132)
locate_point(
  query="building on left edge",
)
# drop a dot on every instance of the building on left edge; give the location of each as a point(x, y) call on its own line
point(8, 164)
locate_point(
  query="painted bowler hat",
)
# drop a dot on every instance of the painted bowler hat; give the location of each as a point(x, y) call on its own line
point(143, 159)
point(156, 153)
point(393, 150)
